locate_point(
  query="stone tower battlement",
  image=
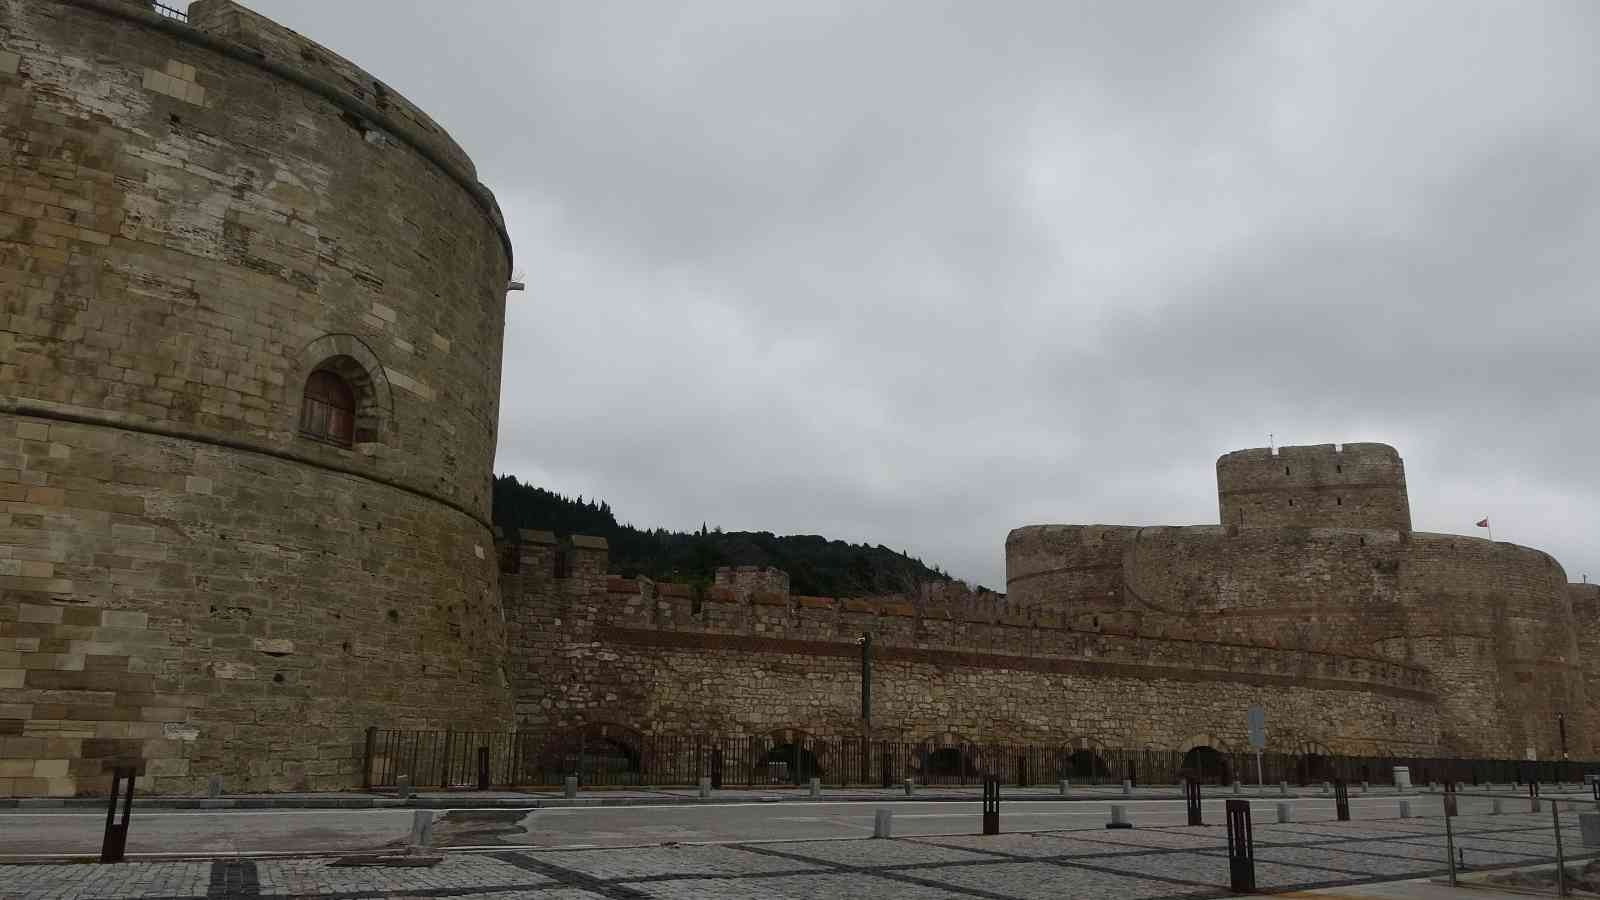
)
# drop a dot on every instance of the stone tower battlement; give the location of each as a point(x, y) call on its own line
point(1315, 486)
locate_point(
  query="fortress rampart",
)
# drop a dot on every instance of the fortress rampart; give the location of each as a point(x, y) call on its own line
point(1493, 623)
point(589, 649)
point(249, 377)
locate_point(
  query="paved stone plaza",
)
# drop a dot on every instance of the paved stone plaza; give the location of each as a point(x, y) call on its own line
point(1080, 863)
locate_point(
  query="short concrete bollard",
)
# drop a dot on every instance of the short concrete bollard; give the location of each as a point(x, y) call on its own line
point(1402, 778)
point(1498, 808)
point(1237, 788)
point(1119, 817)
point(1285, 812)
point(1327, 788)
point(1534, 805)
point(816, 787)
point(1589, 824)
point(705, 789)
point(1283, 789)
point(910, 786)
point(1066, 788)
point(422, 828)
point(569, 787)
point(883, 824)
point(1127, 788)
point(1405, 809)
point(214, 787)
point(402, 787)
point(1365, 786)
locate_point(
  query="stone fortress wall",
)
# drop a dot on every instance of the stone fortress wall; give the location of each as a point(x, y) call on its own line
point(592, 651)
point(193, 219)
point(1494, 624)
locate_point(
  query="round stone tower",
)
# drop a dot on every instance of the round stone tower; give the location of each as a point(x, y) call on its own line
point(249, 372)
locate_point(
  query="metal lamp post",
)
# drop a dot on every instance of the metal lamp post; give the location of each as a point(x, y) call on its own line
point(865, 640)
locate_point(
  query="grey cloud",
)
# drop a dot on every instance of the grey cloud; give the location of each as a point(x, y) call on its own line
point(917, 273)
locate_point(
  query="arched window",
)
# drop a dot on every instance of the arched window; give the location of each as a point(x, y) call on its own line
point(328, 410)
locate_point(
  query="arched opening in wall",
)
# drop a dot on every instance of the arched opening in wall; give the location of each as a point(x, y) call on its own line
point(599, 754)
point(328, 409)
point(1313, 763)
point(1206, 765)
point(1085, 765)
point(790, 763)
point(339, 404)
point(945, 764)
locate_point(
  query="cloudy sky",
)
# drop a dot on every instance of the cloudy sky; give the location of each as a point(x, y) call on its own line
point(916, 273)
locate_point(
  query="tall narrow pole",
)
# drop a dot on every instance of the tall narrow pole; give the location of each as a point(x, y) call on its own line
point(866, 682)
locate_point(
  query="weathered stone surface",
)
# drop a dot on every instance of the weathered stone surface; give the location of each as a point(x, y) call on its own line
point(1496, 625)
point(184, 578)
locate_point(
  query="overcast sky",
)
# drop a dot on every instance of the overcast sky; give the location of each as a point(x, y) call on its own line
point(916, 273)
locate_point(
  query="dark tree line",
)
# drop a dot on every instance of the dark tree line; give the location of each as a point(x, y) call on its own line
point(816, 565)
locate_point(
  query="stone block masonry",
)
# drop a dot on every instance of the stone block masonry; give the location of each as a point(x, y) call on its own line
point(589, 650)
point(1496, 626)
point(195, 219)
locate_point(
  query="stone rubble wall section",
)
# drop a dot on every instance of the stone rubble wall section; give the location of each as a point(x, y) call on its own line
point(186, 584)
point(589, 649)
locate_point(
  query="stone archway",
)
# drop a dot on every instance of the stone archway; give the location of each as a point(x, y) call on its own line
point(790, 758)
point(1207, 759)
point(355, 363)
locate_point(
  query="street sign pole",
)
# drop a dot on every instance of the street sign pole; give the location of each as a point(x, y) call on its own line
point(1258, 739)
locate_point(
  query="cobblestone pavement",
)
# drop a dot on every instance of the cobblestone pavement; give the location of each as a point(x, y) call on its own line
point(1139, 863)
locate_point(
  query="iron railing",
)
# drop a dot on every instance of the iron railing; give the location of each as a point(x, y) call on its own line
point(455, 759)
point(170, 12)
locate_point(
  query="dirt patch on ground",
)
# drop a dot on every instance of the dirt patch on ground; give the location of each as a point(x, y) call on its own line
point(470, 827)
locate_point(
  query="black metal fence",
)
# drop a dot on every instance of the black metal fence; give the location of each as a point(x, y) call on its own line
point(452, 760)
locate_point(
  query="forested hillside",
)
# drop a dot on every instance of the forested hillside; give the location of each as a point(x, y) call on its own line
point(816, 565)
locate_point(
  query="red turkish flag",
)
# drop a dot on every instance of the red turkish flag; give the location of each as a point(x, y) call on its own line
point(1483, 523)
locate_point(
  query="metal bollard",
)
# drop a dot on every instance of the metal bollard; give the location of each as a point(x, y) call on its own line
point(883, 824)
point(483, 768)
point(705, 788)
point(569, 786)
point(991, 805)
point(910, 785)
point(1127, 787)
point(1405, 809)
point(1119, 817)
point(1285, 813)
point(115, 845)
point(1191, 790)
point(816, 787)
point(1066, 788)
point(1241, 847)
point(422, 828)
